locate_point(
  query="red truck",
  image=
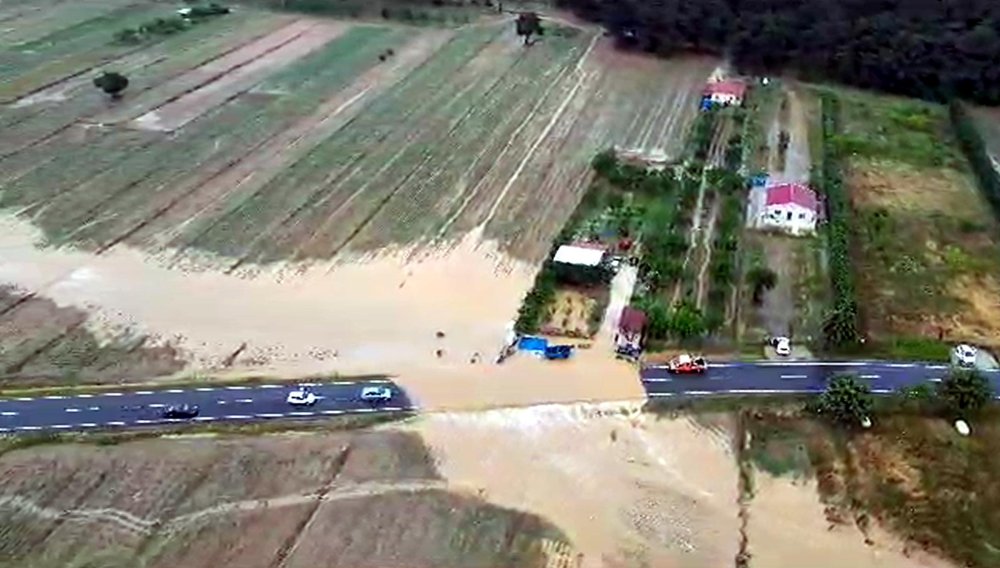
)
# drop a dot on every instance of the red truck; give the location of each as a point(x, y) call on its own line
point(687, 364)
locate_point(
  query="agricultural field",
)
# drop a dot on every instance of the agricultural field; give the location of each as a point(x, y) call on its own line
point(364, 498)
point(298, 192)
point(927, 259)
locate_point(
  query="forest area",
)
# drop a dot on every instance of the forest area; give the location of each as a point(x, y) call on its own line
point(929, 49)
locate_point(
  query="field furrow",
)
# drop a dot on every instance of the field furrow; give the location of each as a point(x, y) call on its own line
point(305, 179)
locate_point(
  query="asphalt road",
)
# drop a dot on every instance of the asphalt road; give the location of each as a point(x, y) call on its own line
point(791, 377)
point(220, 403)
point(267, 402)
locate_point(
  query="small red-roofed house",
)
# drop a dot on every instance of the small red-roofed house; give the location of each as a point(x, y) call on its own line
point(727, 92)
point(790, 207)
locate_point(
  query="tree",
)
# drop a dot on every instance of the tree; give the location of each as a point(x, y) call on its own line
point(964, 392)
point(761, 279)
point(111, 83)
point(529, 24)
point(686, 321)
point(845, 400)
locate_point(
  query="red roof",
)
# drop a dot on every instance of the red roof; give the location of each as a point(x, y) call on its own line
point(788, 193)
point(728, 87)
point(632, 320)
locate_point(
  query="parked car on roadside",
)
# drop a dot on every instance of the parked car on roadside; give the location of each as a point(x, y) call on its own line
point(782, 345)
point(965, 355)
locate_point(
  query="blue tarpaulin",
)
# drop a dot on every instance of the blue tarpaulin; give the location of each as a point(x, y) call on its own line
point(533, 344)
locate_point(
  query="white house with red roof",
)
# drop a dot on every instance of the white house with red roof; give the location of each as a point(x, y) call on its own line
point(726, 92)
point(789, 207)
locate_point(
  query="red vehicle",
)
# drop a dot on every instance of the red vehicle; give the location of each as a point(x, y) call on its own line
point(687, 364)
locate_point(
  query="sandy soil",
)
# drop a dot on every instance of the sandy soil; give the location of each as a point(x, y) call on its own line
point(788, 529)
point(262, 57)
point(628, 489)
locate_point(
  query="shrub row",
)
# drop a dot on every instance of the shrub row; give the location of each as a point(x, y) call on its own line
point(841, 324)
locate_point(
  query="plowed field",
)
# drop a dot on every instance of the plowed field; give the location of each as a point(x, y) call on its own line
point(416, 176)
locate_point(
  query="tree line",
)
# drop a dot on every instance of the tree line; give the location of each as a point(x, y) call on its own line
point(932, 49)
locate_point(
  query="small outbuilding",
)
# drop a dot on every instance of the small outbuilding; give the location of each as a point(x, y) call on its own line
point(791, 208)
point(631, 327)
point(582, 264)
point(727, 92)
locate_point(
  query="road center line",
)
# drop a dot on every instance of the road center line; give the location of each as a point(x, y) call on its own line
point(794, 376)
point(244, 400)
point(869, 376)
point(8, 413)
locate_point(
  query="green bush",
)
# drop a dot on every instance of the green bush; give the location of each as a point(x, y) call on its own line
point(532, 310)
point(841, 322)
point(975, 151)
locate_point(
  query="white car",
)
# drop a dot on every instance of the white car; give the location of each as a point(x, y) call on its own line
point(966, 355)
point(376, 394)
point(301, 398)
point(782, 346)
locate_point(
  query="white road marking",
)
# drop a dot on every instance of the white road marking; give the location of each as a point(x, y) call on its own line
point(869, 376)
point(144, 392)
point(244, 400)
point(718, 378)
point(238, 417)
point(220, 402)
point(88, 425)
point(27, 427)
point(92, 408)
point(8, 413)
point(901, 365)
point(237, 388)
point(174, 391)
point(696, 393)
point(156, 405)
point(937, 366)
point(204, 419)
point(24, 399)
point(60, 426)
point(54, 397)
point(302, 414)
point(112, 394)
point(115, 423)
point(364, 410)
point(145, 421)
point(656, 380)
point(84, 396)
point(72, 410)
point(204, 389)
point(768, 391)
point(794, 376)
point(270, 386)
point(331, 412)
point(270, 415)
point(881, 391)
point(661, 394)
point(936, 380)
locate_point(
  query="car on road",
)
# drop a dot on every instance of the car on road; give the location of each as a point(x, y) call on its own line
point(966, 355)
point(376, 394)
point(301, 397)
point(782, 346)
point(180, 411)
point(687, 364)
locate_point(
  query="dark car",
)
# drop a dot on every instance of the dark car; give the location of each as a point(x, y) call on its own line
point(180, 411)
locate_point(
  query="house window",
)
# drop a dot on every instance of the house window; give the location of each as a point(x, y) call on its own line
point(802, 215)
point(789, 216)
